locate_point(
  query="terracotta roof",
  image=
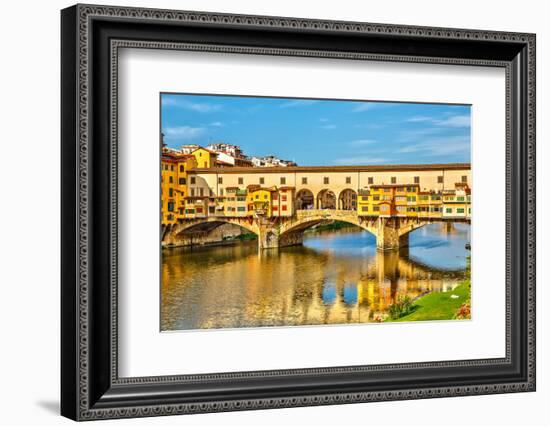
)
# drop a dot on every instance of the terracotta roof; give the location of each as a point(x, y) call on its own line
point(366, 168)
point(395, 185)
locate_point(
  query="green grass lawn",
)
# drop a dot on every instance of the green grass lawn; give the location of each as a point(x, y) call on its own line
point(438, 306)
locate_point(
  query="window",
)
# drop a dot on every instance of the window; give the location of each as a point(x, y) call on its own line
point(171, 179)
point(243, 198)
point(275, 208)
point(417, 179)
point(283, 181)
point(182, 168)
point(304, 181)
point(348, 179)
point(220, 180)
point(182, 181)
point(440, 179)
point(257, 196)
point(393, 179)
point(283, 197)
point(376, 209)
point(199, 209)
point(371, 180)
point(275, 196)
point(411, 199)
point(193, 180)
point(459, 198)
point(170, 217)
point(262, 181)
point(365, 208)
point(448, 210)
point(172, 167)
point(460, 210)
point(386, 189)
point(241, 209)
point(180, 211)
point(170, 207)
point(241, 181)
point(192, 192)
point(464, 179)
point(284, 208)
point(170, 192)
point(376, 197)
point(265, 196)
point(326, 180)
point(221, 191)
point(201, 192)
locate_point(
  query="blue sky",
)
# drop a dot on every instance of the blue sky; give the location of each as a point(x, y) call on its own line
point(321, 132)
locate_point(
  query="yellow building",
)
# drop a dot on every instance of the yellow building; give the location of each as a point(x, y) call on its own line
point(282, 201)
point(174, 168)
point(457, 202)
point(260, 201)
point(204, 157)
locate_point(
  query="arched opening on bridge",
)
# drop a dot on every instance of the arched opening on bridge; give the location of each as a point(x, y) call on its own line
point(326, 200)
point(208, 232)
point(305, 200)
point(347, 200)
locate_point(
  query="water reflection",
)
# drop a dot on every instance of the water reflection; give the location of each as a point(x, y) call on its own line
point(335, 277)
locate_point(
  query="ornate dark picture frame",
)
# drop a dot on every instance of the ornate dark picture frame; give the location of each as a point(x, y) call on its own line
point(91, 37)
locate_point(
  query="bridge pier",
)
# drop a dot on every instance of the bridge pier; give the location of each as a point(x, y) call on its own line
point(270, 239)
point(388, 235)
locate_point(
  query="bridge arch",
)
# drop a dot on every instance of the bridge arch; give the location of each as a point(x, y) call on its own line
point(210, 223)
point(347, 200)
point(305, 200)
point(309, 218)
point(326, 200)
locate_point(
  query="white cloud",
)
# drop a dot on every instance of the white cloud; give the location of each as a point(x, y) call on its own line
point(451, 121)
point(329, 126)
point(362, 142)
point(360, 160)
point(203, 107)
point(364, 106)
point(323, 120)
point(419, 119)
point(439, 146)
point(298, 103)
point(455, 121)
point(216, 124)
point(183, 132)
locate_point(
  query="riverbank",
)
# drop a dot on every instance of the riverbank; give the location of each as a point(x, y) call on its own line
point(438, 306)
point(332, 226)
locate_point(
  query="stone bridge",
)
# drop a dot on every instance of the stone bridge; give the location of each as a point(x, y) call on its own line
point(392, 233)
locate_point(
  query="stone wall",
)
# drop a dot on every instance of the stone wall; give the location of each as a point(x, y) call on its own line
point(220, 234)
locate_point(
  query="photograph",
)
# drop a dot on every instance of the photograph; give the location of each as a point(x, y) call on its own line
point(283, 212)
point(266, 208)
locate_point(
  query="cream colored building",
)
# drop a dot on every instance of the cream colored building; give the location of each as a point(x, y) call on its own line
point(322, 185)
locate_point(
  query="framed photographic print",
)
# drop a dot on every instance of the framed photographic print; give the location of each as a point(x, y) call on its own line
point(263, 212)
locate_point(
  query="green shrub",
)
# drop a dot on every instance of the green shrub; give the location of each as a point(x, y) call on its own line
point(401, 307)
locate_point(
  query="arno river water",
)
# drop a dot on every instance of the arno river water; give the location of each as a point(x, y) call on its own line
point(336, 277)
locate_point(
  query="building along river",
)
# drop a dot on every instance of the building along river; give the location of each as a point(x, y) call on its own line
point(336, 277)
